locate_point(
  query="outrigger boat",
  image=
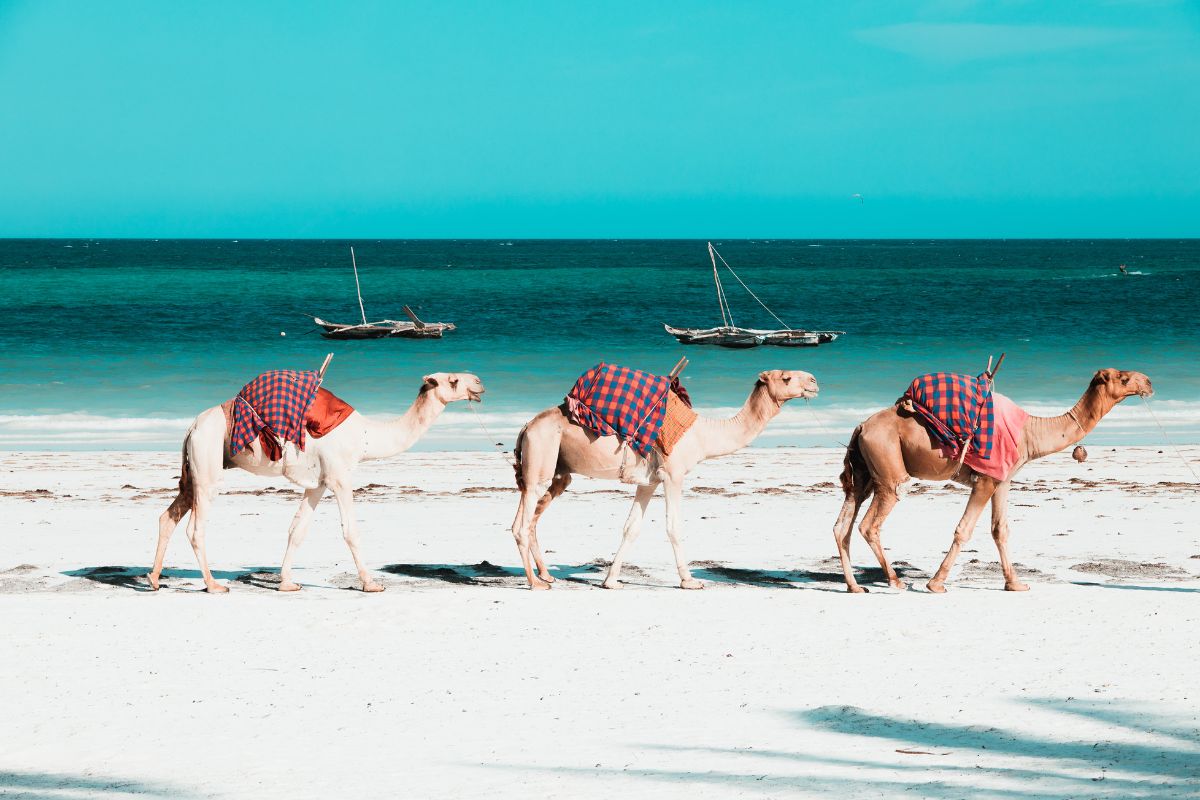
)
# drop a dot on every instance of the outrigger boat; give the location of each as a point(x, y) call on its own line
point(729, 335)
point(384, 328)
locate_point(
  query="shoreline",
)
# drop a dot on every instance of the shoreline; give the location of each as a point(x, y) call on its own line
point(459, 429)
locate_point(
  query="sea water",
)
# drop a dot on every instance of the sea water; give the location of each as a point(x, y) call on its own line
point(119, 343)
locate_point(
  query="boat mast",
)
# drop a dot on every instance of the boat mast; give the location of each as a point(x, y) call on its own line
point(358, 289)
point(726, 315)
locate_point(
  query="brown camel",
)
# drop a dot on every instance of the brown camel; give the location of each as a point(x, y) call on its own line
point(892, 446)
point(550, 448)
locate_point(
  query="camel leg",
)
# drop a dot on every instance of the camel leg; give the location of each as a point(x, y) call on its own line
point(345, 500)
point(1000, 536)
point(673, 491)
point(559, 485)
point(296, 534)
point(166, 526)
point(196, 531)
point(981, 492)
point(885, 500)
point(843, 530)
point(633, 526)
point(521, 526)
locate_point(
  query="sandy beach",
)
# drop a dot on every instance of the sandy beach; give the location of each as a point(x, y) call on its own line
point(458, 682)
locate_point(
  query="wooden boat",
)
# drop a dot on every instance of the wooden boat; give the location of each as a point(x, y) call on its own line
point(414, 328)
point(384, 328)
point(730, 335)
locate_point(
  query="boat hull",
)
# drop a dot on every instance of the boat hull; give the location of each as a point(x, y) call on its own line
point(384, 329)
point(742, 338)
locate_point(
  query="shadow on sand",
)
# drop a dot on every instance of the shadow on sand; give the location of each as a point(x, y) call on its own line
point(1138, 755)
point(56, 786)
point(828, 579)
point(135, 577)
point(1130, 587)
point(486, 573)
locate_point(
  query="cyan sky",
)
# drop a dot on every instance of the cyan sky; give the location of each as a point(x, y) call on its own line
point(614, 119)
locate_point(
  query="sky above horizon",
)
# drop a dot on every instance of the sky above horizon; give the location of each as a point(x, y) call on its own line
point(647, 119)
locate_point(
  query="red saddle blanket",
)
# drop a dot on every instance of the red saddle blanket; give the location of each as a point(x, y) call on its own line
point(956, 409)
point(1009, 420)
point(627, 403)
point(283, 404)
point(961, 410)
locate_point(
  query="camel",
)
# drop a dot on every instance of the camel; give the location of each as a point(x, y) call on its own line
point(334, 456)
point(892, 446)
point(551, 448)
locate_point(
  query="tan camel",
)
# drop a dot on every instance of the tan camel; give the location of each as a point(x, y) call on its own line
point(333, 458)
point(892, 446)
point(550, 448)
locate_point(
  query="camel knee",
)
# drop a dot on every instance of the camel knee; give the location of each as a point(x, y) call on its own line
point(961, 536)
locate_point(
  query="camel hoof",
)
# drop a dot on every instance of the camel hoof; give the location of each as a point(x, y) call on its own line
point(1016, 587)
point(691, 583)
point(937, 587)
point(898, 584)
point(548, 578)
point(153, 579)
point(372, 586)
point(609, 583)
point(289, 587)
point(216, 588)
point(538, 585)
point(856, 589)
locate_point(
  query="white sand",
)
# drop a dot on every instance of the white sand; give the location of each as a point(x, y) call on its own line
point(457, 682)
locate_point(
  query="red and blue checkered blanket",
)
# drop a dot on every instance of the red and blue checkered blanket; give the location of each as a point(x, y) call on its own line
point(275, 401)
point(955, 408)
point(617, 401)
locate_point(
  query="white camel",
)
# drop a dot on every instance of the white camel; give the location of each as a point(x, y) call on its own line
point(550, 448)
point(336, 455)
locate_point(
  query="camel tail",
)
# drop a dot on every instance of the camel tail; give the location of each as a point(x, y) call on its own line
point(518, 467)
point(186, 499)
point(854, 466)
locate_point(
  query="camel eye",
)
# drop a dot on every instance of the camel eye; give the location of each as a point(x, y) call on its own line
point(787, 378)
point(454, 383)
point(1125, 379)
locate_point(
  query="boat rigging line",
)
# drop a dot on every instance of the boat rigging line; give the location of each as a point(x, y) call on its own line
point(712, 250)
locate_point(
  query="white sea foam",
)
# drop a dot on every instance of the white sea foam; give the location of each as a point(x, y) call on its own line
point(459, 429)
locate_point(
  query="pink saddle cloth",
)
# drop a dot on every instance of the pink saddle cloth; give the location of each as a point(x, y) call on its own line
point(1009, 421)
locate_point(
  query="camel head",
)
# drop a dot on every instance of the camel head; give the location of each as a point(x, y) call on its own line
point(784, 384)
point(450, 386)
point(1116, 384)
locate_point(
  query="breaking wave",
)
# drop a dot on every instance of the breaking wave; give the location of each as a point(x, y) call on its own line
point(460, 429)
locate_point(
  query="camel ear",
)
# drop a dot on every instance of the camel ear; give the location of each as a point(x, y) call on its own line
point(764, 376)
point(430, 381)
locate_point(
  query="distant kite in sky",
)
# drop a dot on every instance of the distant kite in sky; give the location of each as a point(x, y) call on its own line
point(858, 196)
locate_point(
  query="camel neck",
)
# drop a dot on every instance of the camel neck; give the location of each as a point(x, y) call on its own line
point(725, 436)
point(391, 437)
point(1046, 435)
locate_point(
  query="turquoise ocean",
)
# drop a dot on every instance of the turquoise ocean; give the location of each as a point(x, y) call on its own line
point(117, 344)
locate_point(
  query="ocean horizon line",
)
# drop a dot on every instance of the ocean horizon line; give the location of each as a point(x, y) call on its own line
point(593, 239)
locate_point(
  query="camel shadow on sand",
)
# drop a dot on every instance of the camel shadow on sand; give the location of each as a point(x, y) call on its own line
point(125, 577)
point(486, 573)
point(1137, 755)
point(827, 576)
point(592, 573)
